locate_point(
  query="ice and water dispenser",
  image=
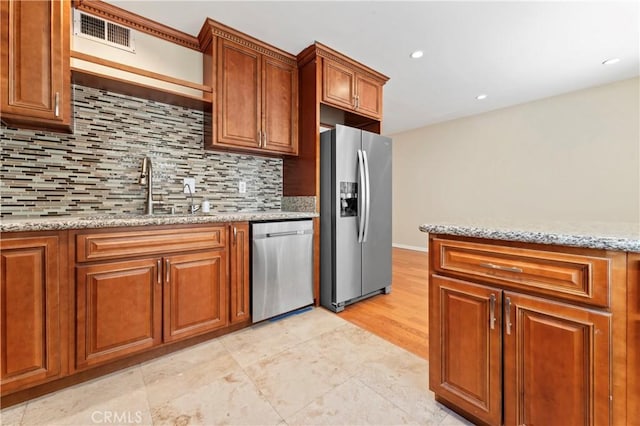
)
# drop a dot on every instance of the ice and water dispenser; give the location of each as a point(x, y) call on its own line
point(348, 199)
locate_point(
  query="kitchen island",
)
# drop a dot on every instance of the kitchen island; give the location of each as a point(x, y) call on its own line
point(535, 324)
point(87, 295)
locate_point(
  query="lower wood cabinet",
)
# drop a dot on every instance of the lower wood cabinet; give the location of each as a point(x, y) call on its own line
point(130, 306)
point(556, 363)
point(239, 291)
point(502, 351)
point(195, 296)
point(32, 310)
point(119, 310)
point(466, 346)
point(131, 297)
point(554, 357)
point(108, 294)
point(633, 338)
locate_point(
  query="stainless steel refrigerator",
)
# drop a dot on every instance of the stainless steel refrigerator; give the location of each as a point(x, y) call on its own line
point(355, 216)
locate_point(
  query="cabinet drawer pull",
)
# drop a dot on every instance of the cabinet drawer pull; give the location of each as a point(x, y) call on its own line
point(235, 235)
point(507, 314)
point(167, 265)
point(56, 108)
point(501, 268)
point(492, 311)
point(159, 274)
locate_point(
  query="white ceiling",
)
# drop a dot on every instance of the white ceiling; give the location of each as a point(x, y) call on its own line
point(514, 52)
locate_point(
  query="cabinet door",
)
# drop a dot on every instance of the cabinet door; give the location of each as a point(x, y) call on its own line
point(633, 336)
point(465, 350)
point(338, 85)
point(368, 97)
point(118, 310)
point(36, 83)
point(240, 299)
point(280, 106)
point(30, 316)
point(195, 294)
point(239, 90)
point(556, 363)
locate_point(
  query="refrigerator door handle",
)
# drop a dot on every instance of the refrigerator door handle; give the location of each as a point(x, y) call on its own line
point(367, 191)
point(361, 196)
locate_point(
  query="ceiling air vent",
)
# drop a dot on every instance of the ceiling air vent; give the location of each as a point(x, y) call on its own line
point(106, 32)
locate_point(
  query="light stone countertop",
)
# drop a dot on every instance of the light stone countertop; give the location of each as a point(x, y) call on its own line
point(623, 236)
point(118, 220)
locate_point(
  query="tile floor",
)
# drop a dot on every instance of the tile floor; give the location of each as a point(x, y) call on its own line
point(313, 368)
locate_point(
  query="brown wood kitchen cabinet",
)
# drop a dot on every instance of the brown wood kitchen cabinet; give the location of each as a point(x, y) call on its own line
point(329, 79)
point(633, 337)
point(523, 334)
point(195, 294)
point(239, 280)
point(34, 309)
point(149, 287)
point(345, 86)
point(256, 108)
point(36, 88)
point(119, 309)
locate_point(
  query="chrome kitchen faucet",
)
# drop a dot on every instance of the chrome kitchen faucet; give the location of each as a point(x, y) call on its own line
point(192, 207)
point(147, 174)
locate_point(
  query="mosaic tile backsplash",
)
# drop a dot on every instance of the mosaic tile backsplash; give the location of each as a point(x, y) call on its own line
point(97, 169)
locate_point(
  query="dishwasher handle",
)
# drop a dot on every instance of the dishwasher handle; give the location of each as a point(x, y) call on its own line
point(287, 233)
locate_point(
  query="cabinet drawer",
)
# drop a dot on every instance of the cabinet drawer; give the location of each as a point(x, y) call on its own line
point(579, 278)
point(116, 245)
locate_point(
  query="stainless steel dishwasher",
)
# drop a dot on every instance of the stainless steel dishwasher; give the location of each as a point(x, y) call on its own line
point(282, 267)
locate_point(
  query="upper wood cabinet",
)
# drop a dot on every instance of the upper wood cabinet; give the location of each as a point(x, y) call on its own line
point(329, 81)
point(256, 93)
point(36, 88)
point(33, 309)
point(346, 86)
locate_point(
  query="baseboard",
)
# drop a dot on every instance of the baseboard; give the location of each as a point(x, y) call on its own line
point(407, 247)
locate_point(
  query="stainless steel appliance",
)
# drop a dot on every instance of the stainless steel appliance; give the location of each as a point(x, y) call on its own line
point(355, 216)
point(282, 267)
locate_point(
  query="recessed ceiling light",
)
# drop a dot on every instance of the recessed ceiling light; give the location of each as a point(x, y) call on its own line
point(611, 61)
point(417, 54)
point(481, 97)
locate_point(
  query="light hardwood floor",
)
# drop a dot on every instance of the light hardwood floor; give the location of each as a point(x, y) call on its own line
point(401, 316)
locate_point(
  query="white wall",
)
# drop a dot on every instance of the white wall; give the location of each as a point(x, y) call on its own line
point(151, 54)
point(570, 157)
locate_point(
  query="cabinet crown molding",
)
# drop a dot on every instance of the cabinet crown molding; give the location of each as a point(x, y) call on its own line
point(212, 28)
point(319, 49)
point(137, 22)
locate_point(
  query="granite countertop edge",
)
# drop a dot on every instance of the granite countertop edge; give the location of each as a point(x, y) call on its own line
point(59, 223)
point(603, 242)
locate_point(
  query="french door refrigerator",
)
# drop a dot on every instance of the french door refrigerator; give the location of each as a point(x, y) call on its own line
point(355, 216)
